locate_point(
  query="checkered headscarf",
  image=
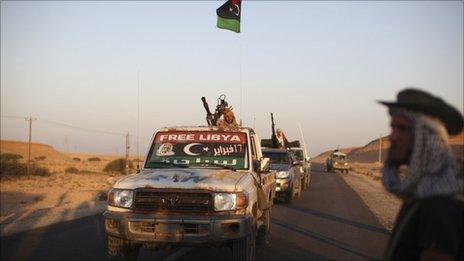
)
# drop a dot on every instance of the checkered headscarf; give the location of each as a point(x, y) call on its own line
point(433, 170)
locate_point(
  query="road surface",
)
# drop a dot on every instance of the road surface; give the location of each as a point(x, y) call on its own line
point(329, 221)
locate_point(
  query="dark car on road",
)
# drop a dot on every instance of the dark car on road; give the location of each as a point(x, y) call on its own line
point(288, 175)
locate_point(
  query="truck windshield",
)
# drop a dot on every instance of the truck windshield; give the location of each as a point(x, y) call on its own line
point(208, 149)
point(277, 157)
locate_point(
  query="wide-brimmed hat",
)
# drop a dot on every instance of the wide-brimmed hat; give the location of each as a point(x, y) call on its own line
point(423, 102)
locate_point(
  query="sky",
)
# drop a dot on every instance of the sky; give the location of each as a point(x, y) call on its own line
point(132, 67)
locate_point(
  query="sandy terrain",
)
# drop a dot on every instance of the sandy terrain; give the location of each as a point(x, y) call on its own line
point(33, 202)
point(28, 203)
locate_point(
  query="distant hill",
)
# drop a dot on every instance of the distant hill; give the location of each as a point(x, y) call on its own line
point(37, 150)
point(369, 153)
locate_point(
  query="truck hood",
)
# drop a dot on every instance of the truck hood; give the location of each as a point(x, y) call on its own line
point(180, 178)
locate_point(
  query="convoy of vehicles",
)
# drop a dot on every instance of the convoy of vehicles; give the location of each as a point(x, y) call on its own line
point(288, 173)
point(338, 161)
point(198, 186)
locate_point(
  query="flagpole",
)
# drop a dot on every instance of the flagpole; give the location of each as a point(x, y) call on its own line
point(240, 78)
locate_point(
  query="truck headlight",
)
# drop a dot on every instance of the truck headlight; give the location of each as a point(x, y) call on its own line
point(230, 201)
point(120, 198)
point(346, 163)
point(282, 174)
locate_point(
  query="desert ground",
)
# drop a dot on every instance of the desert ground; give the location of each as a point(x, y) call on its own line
point(36, 201)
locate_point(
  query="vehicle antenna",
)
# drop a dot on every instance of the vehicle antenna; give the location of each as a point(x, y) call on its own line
point(302, 138)
point(138, 117)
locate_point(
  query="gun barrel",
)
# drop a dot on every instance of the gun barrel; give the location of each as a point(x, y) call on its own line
point(208, 112)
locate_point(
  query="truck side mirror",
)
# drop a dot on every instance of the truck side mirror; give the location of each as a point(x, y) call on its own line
point(263, 165)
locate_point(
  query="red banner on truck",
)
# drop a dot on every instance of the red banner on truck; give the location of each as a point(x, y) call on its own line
point(201, 136)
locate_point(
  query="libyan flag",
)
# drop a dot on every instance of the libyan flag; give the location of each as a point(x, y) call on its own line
point(229, 15)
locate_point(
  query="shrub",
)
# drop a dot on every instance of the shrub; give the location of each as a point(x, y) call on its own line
point(40, 158)
point(10, 166)
point(39, 171)
point(76, 159)
point(72, 170)
point(10, 157)
point(118, 165)
point(94, 159)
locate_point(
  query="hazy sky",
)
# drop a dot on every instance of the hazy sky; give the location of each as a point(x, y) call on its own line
point(321, 64)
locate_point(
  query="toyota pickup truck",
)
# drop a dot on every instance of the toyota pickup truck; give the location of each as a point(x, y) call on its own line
point(199, 186)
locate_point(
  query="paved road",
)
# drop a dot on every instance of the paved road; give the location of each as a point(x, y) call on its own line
point(329, 221)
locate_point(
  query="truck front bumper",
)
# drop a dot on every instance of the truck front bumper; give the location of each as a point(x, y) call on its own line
point(184, 230)
point(341, 167)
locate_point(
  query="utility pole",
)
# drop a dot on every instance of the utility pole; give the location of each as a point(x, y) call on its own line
point(30, 119)
point(127, 153)
point(380, 149)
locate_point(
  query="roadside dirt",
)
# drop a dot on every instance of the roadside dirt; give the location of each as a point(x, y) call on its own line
point(365, 181)
point(28, 203)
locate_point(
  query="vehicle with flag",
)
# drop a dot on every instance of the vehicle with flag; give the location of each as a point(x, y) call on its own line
point(199, 186)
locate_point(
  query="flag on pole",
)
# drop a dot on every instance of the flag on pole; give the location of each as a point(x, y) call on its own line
point(229, 15)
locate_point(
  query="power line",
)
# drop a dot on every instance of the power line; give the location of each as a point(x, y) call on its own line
point(81, 128)
point(13, 117)
point(67, 125)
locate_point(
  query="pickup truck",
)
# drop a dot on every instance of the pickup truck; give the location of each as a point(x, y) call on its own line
point(288, 174)
point(199, 186)
point(304, 160)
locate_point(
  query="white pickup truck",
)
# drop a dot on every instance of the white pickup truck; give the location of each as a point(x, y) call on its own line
point(199, 186)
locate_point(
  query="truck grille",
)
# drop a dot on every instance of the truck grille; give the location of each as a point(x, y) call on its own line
point(172, 201)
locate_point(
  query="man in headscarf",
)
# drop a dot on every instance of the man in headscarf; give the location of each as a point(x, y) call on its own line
point(228, 122)
point(282, 141)
point(429, 225)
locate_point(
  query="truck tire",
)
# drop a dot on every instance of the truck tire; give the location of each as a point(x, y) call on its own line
point(290, 196)
point(244, 249)
point(264, 232)
point(119, 249)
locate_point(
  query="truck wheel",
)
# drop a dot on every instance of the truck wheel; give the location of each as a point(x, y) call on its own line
point(244, 248)
point(264, 232)
point(289, 196)
point(118, 249)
